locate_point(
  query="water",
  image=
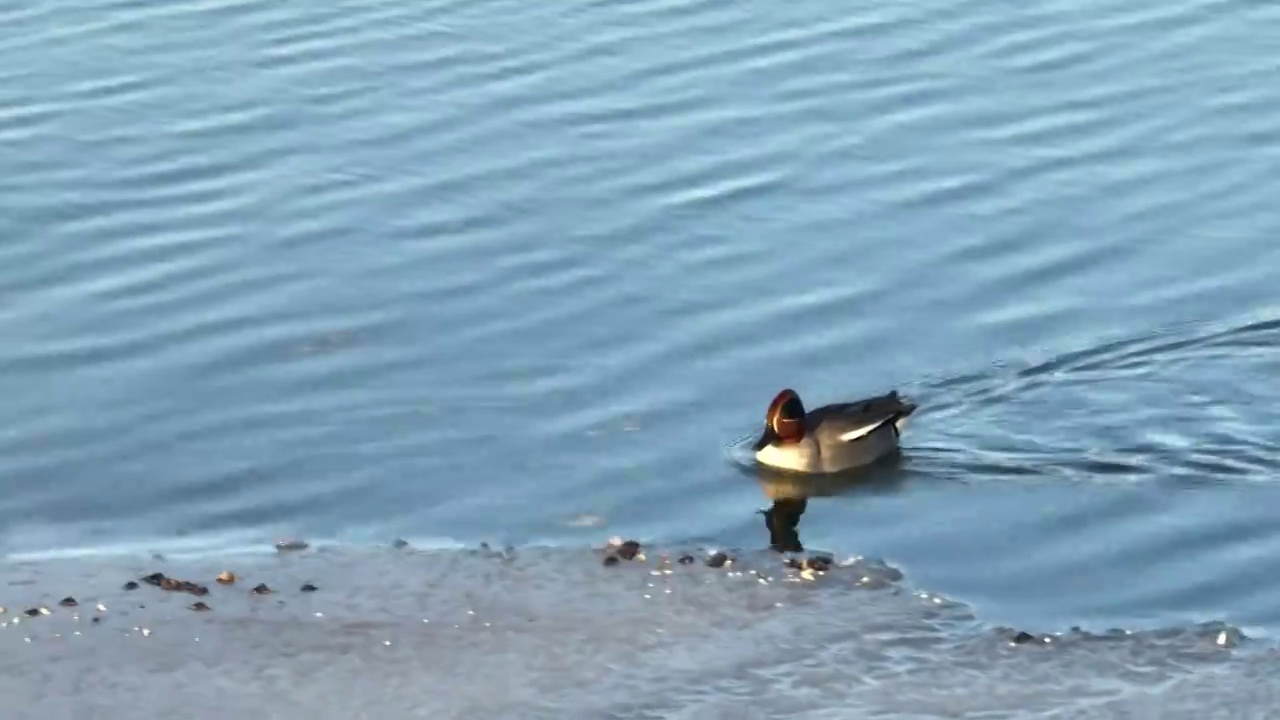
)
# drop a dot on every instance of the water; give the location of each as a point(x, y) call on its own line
point(463, 272)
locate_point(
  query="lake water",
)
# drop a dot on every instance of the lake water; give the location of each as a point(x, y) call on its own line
point(525, 273)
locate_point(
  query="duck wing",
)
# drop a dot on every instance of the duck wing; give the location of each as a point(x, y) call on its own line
point(852, 420)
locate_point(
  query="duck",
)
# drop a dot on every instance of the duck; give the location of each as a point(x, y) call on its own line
point(832, 438)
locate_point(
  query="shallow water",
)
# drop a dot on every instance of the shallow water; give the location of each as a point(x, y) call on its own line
point(551, 633)
point(525, 274)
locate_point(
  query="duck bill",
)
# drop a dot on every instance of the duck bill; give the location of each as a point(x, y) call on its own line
point(766, 437)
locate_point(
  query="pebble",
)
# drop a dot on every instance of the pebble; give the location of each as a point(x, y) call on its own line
point(628, 550)
point(611, 560)
point(309, 588)
point(1023, 637)
point(176, 585)
point(261, 589)
point(131, 585)
point(686, 560)
point(200, 607)
point(226, 577)
point(718, 560)
point(289, 545)
point(68, 602)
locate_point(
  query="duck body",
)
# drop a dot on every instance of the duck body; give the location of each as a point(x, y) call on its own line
point(831, 438)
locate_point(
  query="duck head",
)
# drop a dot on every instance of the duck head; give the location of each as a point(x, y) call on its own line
point(783, 421)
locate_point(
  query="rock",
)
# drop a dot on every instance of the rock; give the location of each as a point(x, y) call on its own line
point(686, 560)
point(818, 563)
point(309, 588)
point(226, 577)
point(611, 560)
point(200, 607)
point(156, 579)
point(131, 585)
point(261, 589)
point(1023, 637)
point(628, 550)
point(68, 602)
point(291, 545)
point(718, 560)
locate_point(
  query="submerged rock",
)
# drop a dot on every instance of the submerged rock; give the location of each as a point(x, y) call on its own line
point(68, 602)
point(261, 589)
point(1023, 637)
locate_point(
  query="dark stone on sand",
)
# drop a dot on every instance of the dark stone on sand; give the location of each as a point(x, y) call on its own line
point(611, 560)
point(96, 620)
point(309, 588)
point(288, 545)
point(686, 560)
point(68, 602)
point(820, 563)
point(31, 612)
point(131, 585)
point(717, 560)
point(200, 607)
point(261, 589)
point(172, 584)
point(1023, 637)
point(628, 550)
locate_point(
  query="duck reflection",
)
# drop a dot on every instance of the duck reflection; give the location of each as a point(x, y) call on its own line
point(790, 495)
point(783, 520)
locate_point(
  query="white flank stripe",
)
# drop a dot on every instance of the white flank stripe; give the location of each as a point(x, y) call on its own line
point(860, 432)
